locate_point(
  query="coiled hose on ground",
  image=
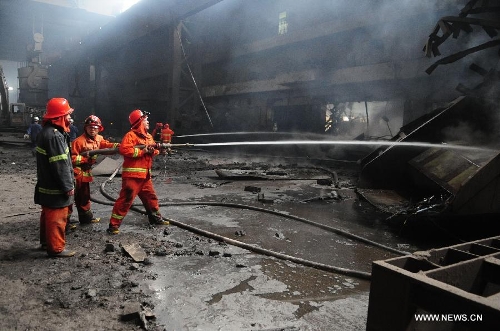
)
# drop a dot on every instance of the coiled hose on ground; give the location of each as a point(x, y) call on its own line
point(260, 250)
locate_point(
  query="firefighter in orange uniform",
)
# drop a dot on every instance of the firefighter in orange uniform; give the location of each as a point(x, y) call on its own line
point(166, 136)
point(82, 165)
point(136, 173)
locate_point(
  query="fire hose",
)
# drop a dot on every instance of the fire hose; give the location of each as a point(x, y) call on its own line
point(254, 248)
point(111, 151)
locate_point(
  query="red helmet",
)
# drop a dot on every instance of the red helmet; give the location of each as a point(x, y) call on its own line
point(57, 107)
point(136, 116)
point(93, 120)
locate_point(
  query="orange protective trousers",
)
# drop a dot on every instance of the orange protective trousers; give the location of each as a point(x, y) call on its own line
point(82, 196)
point(131, 188)
point(53, 228)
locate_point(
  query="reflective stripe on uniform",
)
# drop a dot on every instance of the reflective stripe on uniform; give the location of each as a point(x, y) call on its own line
point(118, 217)
point(85, 173)
point(134, 170)
point(60, 157)
point(49, 191)
point(41, 150)
point(136, 152)
point(78, 160)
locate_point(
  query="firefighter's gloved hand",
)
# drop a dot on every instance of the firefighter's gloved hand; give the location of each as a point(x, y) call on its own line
point(26, 136)
point(150, 149)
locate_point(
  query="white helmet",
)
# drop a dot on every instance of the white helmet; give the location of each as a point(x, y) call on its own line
point(36, 119)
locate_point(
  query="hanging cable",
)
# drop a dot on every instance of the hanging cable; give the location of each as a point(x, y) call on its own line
point(192, 77)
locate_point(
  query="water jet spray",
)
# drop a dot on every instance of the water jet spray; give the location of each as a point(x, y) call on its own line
point(388, 144)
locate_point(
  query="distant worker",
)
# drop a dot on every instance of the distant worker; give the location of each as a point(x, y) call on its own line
point(82, 165)
point(166, 136)
point(73, 131)
point(157, 132)
point(138, 150)
point(54, 188)
point(33, 130)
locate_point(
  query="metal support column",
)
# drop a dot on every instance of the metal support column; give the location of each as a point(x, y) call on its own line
point(175, 77)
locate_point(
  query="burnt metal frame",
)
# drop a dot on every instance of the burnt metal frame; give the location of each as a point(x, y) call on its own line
point(462, 279)
point(451, 26)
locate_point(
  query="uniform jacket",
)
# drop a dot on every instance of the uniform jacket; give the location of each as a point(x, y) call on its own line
point(33, 130)
point(136, 162)
point(82, 165)
point(166, 135)
point(54, 170)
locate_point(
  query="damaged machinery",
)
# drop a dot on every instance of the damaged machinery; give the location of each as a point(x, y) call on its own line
point(440, 181)
point(33, 92)
point(12, 115)
point(427, 180)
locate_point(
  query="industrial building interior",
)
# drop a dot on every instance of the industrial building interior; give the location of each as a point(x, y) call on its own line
point(375, 121)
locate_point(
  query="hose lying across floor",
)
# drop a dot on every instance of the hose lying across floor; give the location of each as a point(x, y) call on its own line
point(321, 266)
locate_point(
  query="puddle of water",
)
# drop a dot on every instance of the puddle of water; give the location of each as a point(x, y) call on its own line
point(266, 294)
point(241, 287)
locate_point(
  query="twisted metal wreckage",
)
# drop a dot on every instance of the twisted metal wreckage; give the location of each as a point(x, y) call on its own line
point(439, 182)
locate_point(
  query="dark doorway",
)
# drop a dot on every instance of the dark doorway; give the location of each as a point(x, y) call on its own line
point(301, 118)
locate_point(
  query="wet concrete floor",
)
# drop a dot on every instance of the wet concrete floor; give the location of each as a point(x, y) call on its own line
point(231, 287)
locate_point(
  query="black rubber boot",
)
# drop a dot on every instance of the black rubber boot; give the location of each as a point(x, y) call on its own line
point(87, 217)
point(156, 219)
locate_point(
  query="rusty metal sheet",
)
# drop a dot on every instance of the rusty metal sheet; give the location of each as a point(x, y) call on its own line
point(447, 168)
point(388, 201)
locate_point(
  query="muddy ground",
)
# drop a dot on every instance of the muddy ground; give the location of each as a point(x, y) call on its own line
point(189, 280)
point(87, 292)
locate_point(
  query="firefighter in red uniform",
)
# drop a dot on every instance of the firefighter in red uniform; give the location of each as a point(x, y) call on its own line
point(136, 173)
point(82, 165)
point(54, 188)
point(166, 136)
